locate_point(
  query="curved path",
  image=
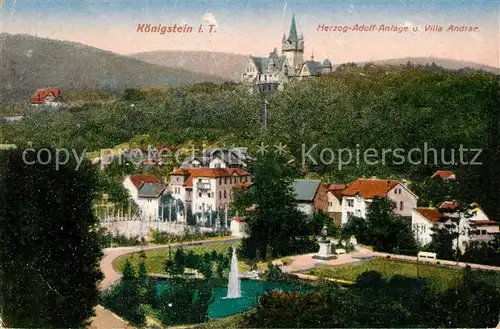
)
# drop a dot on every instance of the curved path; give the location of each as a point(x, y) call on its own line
point(106, 319)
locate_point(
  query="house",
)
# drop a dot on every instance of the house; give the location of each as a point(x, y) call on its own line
point(334, 208)
point(47, 97)
point(422, 222)
point(357, 197)
point(218, 158)
point(475, 226)
point(310, 195)
point(206, 190)
point(444, 175)
point(146, 192)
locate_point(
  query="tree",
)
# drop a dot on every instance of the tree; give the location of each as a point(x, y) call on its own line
point(276, 220)
point(50, 254)
point(359, 227)
point(180, 261)
point(476, 303)
point(319, 220)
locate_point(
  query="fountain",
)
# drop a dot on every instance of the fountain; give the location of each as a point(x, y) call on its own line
point(233, 286)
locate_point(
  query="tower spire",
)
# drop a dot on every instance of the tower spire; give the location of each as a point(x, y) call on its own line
point(293, 30)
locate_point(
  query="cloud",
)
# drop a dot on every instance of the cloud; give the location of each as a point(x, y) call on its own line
point(210, 18)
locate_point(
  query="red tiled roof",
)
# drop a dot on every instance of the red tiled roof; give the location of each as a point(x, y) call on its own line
point(432, 214)
point(444, 174)
point(188, 182)
point(449, 205)
point(181, 172)
point(38, 97)
point(370, 188)
point(484, 222)
point(335, 187)
point(243, 185)
point(140, 179)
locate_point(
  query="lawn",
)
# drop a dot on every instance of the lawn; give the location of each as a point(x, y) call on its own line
point(155, 259)
point(440, 277)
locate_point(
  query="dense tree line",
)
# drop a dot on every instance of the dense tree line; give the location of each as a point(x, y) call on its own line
point(355, 108)
point(378, 302)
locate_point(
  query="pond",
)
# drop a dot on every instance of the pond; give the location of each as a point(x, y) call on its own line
point(251, 291)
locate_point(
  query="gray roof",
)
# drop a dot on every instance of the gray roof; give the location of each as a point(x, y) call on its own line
point(314, 67)
point(151, 190)
point(305, 189)
point(262, 62)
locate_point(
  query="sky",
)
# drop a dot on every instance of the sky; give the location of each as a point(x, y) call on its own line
point(255, 27)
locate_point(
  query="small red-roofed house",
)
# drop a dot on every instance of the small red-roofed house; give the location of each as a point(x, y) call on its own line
point(423, 220)
point(444, 175)
point(357, 197)
point(47, 97)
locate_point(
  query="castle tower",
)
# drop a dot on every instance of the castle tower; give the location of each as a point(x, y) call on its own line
point(293, 48)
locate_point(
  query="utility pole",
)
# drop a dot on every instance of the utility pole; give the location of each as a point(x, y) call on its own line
point(265, 114)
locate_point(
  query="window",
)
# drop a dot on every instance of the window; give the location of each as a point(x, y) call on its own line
point(330, 204)
point(220, 194)
point(199, 194)
point(358, 213)
point(208, 194)
point(350, 214)
point(225, 180)
point(225, 195)
point(400, 205)
point(350, 203)
point(220, 181)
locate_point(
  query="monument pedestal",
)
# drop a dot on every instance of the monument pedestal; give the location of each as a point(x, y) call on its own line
point(325, 251)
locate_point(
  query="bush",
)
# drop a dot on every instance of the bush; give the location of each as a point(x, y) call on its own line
point(120, 240)
point(160, 237)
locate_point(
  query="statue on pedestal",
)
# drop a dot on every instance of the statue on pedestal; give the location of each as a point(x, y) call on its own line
point(325, 247)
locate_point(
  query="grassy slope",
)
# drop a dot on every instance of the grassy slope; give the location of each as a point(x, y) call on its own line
point(439, 276)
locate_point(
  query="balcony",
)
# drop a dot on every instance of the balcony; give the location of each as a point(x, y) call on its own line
point(203, 186)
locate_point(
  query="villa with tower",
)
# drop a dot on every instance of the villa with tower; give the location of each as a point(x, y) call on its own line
point(268, 74)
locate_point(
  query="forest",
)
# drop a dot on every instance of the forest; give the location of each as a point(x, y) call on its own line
point(402, 107)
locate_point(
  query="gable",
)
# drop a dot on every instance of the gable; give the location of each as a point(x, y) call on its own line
point(403, 187)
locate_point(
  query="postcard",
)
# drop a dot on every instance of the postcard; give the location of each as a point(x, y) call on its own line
point(249, 164)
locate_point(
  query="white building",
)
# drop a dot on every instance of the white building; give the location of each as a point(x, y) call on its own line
point(206, 190)
point(357, 197)
point(146, 192)
point(475, 226)
point(334, 207)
